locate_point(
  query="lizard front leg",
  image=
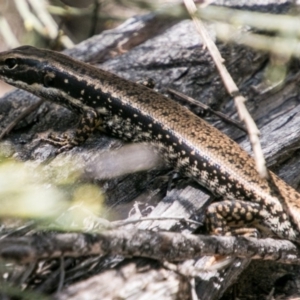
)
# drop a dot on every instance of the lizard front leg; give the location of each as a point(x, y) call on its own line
point(89, 121)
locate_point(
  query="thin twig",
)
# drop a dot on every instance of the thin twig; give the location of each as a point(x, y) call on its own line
point(261, 42)
point(61, 274)
point(50, 24)
point(8, 35)
point(232, 89)
point(24, 114)
point(41, 12)
point(287, 25)
point(30, 20)
point(127, 222)
point(94, 18)
point(207, 108)
point(164, 246)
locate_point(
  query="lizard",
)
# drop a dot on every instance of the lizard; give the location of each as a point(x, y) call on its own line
point(136, 113)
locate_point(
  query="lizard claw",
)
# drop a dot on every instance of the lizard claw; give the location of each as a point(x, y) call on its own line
point(64, 141)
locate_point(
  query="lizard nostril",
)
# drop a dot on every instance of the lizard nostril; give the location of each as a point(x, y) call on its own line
point(10, 63)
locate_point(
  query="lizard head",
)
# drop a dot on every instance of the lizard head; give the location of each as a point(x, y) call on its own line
point(21, 67)
point(28, 68)
point(42, 72)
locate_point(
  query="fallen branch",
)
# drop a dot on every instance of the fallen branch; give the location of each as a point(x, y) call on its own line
point(164, 246)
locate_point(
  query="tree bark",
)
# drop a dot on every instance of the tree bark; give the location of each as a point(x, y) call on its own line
point(172, 54)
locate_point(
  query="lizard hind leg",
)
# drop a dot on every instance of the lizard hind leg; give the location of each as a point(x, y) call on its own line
point(233, 218)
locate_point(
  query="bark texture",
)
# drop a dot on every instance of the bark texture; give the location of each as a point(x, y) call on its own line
point(172, 54)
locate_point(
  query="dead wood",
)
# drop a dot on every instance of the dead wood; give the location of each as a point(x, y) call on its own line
point(172, 55)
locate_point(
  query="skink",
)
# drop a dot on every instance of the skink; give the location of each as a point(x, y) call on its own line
point(190, 145)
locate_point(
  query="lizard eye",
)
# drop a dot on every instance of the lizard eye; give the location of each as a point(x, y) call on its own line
point(48, 80)
point(10, 63)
